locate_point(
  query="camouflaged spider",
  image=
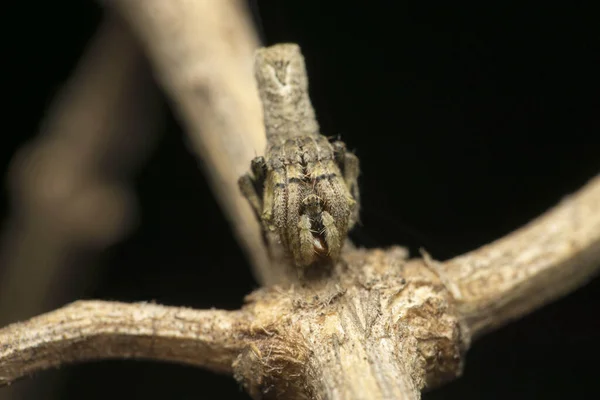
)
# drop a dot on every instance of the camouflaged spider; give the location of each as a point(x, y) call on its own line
point(306, 190)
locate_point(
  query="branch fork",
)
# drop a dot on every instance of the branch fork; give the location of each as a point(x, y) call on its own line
point(376, 326)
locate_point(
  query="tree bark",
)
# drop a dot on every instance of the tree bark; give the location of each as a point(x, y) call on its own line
point(394, 325)
point(539, 263)
point(373, 326)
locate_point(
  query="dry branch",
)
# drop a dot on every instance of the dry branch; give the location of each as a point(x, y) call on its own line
point(544, 260)
point(90, 330)
point(374, 326)
point(202, 52)
point(378, 327)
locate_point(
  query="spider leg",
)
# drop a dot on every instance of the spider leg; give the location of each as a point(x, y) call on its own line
point(252, 185)
point(348, 164)
point(306, 252)
point(351, 170)
point(248, 188)
point(294, 198)
point(259, 169)
point(274, 199)
point(339, 152)
point(332, 235)
point(338, 203)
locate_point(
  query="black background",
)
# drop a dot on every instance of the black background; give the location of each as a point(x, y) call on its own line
point(469, 122)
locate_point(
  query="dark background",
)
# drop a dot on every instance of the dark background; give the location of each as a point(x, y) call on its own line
point(469, 122)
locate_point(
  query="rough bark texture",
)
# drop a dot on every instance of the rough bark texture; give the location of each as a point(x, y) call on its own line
point(88, 330)
point(377, 326)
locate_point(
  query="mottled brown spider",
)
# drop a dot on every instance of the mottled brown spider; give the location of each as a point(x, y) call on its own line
point(304, 188)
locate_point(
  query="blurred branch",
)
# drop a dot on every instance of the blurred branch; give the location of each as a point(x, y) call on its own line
point(203, 52)
point(69, 186)
point(546, 259)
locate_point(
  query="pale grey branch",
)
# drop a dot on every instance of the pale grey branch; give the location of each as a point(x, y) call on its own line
point(283, 87)
point(546, 259)
point(202, 52)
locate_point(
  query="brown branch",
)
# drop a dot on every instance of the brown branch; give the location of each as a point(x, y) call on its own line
point(378, 327)
point(546, 259)
point(203, 53)
point(89, 330)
